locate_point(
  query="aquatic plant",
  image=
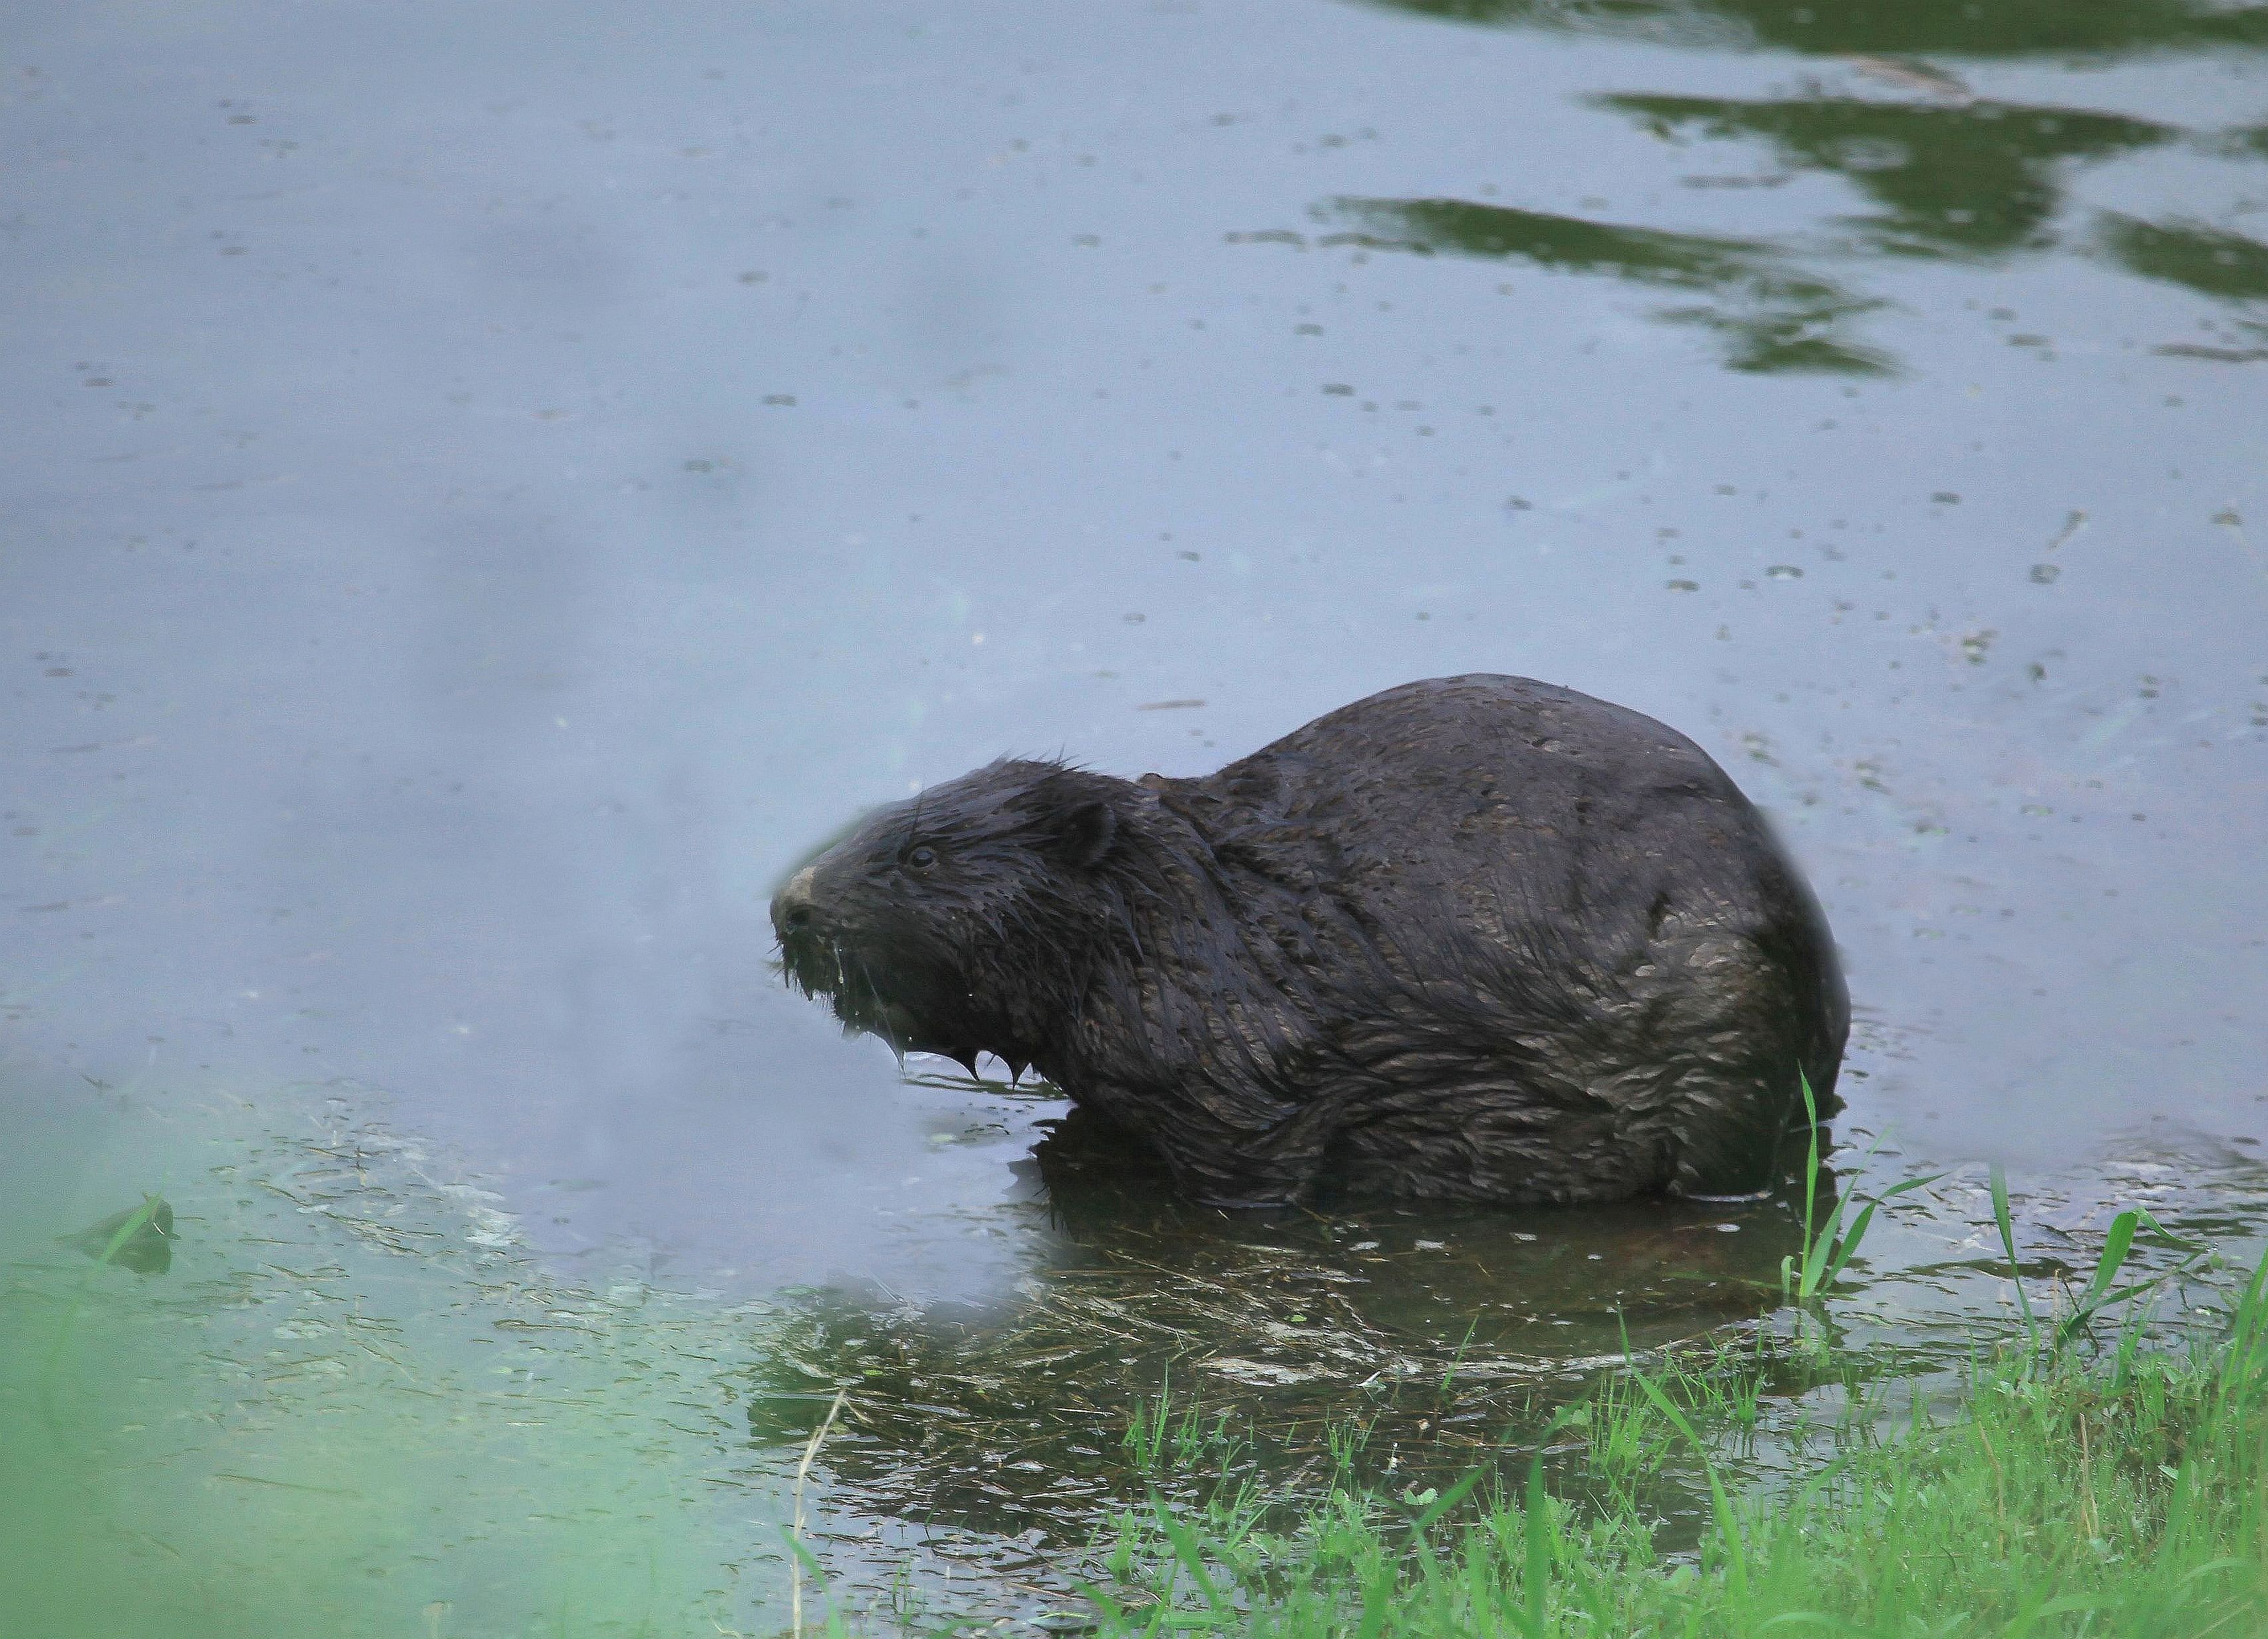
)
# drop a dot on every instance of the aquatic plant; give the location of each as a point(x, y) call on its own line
point(1827, 1247)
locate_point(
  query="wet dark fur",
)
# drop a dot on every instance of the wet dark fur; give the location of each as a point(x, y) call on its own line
point(1475, 938)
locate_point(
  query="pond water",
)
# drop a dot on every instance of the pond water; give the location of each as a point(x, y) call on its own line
point(491, 487)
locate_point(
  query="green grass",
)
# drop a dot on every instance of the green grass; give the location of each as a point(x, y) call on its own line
point(2065, 1490)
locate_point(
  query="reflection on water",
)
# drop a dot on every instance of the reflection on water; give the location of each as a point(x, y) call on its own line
point(2012, 28)
point(1771, 315)
point(1435, 1332)
point(2213, 262)
point(1164, 1353)
point(1169, 1350)
point(1978, 181)
point(1446, 1337)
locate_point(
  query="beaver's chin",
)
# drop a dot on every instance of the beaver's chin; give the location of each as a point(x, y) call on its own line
point(908, 1032)
point(864, 1011)
point(826, 973)
point(847, 985)
point(898, 1025)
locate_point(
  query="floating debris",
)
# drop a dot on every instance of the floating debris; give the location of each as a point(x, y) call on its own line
point(140, 1239)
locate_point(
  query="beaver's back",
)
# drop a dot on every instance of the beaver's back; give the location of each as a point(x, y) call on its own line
point(1562, 875)
point(1511, 808)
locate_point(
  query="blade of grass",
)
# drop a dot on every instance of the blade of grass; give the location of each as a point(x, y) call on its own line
point(1810, 1181)
point(1828, 1247)
point(2116, 1245)
point(2009, 1243)
point(1536, 1532)
point(135, 1224)
point(1736, 1561)
point(1191, 1553)
point(795, 1530)
point(1848, 1244)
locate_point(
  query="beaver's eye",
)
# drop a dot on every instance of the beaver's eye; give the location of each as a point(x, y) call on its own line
point(922, 858)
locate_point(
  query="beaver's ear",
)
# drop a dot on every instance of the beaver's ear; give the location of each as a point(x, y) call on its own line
point(1083, 832)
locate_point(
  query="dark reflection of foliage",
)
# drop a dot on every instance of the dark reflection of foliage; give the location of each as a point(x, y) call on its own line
point(1979, 180)
point(2210, 261)
point(1772, 315)
point(1993, 28)
point(1270, 1333)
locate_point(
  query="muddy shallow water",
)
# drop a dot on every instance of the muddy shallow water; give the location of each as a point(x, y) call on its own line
point(490, 488)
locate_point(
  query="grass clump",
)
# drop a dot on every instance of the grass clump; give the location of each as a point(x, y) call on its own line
point(2062, 1491)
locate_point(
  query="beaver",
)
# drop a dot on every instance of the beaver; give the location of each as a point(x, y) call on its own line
point(1475, 939)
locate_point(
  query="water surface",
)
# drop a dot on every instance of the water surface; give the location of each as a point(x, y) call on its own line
point(489, 488)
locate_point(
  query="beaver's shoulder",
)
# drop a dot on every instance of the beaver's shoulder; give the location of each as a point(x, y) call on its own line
point(1528, 753)
point(1483, 716)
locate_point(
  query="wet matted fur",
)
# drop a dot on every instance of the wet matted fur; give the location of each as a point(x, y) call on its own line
point(1475, 938)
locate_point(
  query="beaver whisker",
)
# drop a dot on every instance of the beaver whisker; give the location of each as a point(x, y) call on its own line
point(871, 994)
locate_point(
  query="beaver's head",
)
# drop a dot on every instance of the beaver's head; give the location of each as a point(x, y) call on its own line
point(967, 919)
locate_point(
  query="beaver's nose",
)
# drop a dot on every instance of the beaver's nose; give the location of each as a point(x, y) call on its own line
point(794, 908)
